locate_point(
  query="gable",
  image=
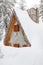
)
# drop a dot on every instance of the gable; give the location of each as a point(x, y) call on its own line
point(15, 36)
point(30, 28)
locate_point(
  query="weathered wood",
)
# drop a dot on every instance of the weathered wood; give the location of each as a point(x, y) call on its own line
point(13, 20)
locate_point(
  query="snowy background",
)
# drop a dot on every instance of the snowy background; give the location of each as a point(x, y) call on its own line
point(28, 3)
point(26, 56)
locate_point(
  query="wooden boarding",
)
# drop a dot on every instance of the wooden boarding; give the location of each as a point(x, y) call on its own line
point(6, 42)
point(15, 28)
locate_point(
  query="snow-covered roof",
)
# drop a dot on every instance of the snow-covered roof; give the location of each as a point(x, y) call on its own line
point(33, 31)
point(27, 24)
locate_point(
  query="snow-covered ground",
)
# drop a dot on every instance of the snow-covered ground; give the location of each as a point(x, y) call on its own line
point(21, 56)
point(25, 56)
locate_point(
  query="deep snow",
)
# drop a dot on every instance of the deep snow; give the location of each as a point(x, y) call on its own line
point(25, 56)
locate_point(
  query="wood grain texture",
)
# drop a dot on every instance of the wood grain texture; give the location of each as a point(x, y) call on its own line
point(13, 20)
point(15, 45)
point(16, 28)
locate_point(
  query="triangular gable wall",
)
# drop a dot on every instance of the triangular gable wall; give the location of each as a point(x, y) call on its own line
point(17, 29)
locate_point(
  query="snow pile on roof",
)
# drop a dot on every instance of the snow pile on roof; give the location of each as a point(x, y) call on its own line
point(32, 30)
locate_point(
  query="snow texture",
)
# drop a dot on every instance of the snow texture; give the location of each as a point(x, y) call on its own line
point(25, 56)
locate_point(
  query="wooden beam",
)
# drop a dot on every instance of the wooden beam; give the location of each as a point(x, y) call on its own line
point(13, 20)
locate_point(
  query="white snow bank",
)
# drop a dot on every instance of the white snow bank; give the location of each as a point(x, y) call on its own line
point(21, 56)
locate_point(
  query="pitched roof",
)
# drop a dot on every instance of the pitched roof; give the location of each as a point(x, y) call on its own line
point(27, 24)
point(21, 32)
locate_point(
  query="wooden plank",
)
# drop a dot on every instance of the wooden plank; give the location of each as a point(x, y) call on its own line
point(13, 20)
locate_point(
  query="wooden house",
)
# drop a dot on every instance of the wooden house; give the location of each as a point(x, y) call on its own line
point(16, 36)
